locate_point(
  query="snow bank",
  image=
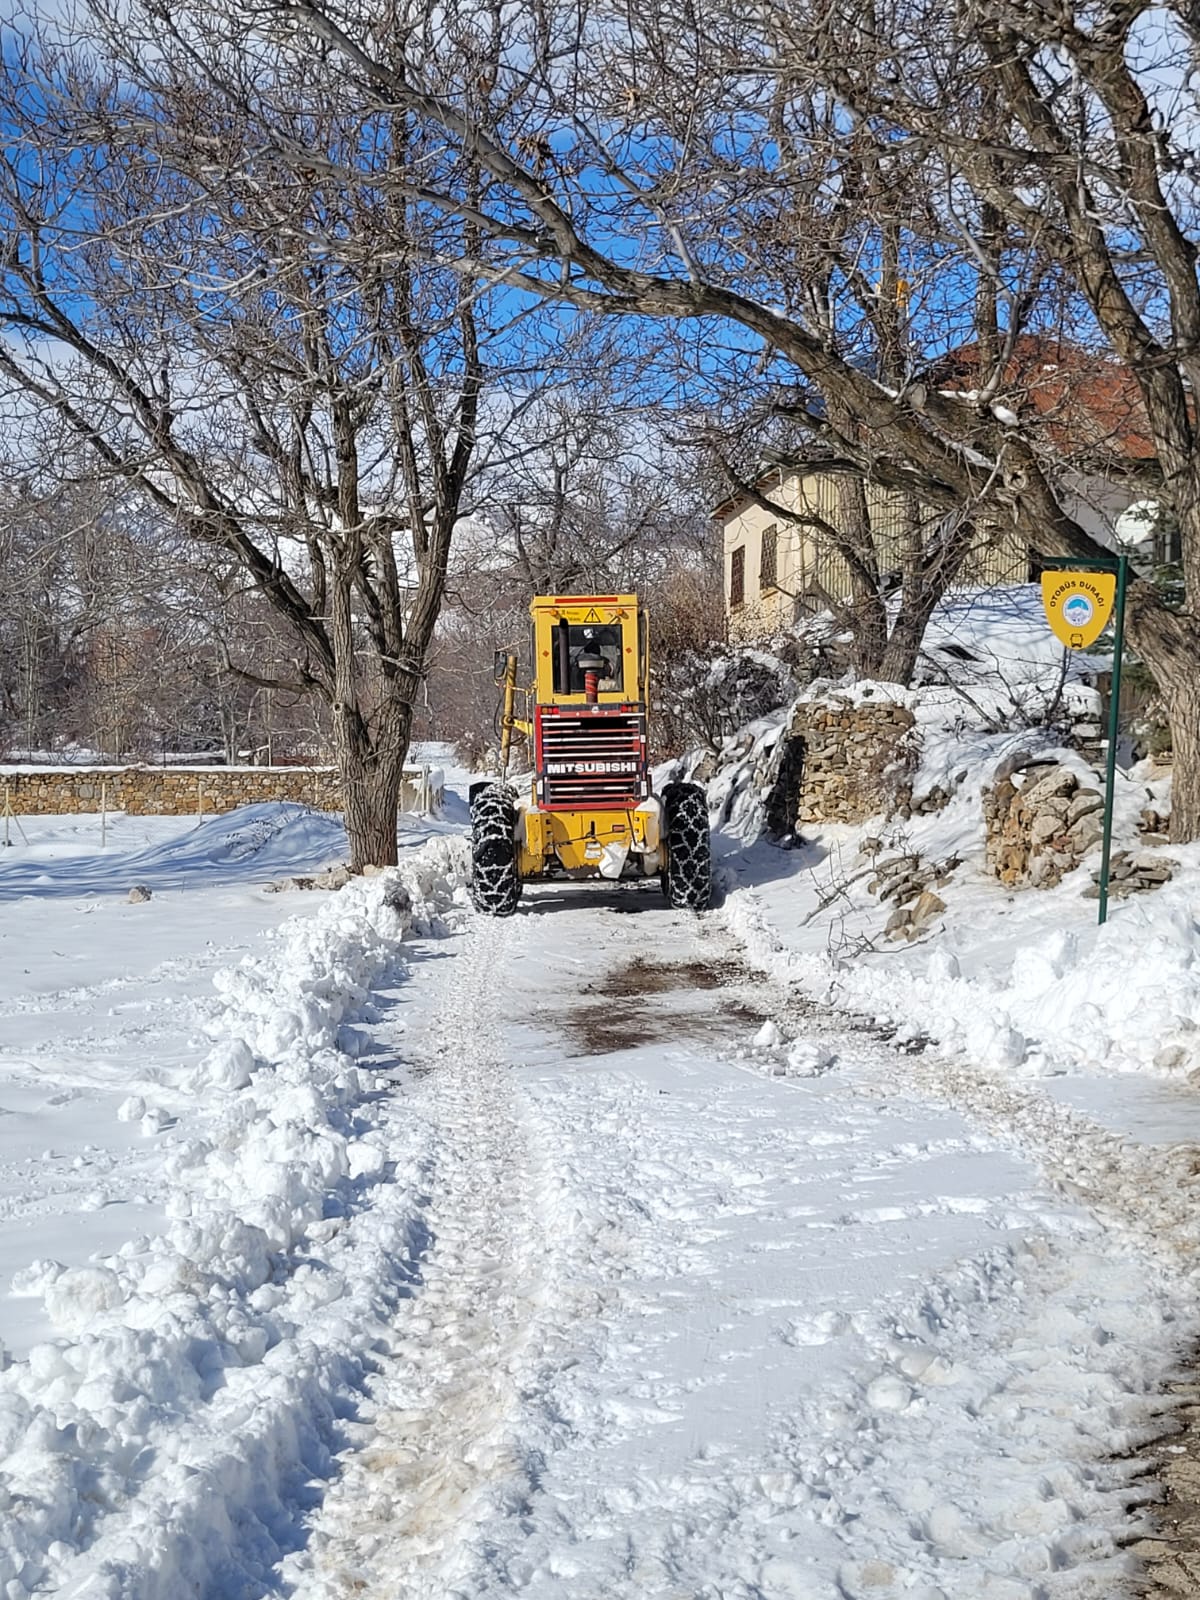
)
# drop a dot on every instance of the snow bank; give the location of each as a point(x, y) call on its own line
point(194, 1383)
point(244, 846)
point(1123, 998)
point(1126, 998)
point(1021, 983)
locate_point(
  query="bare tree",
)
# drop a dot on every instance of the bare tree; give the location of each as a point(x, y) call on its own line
point(590, 491)
point(69, 571)
point(683, 163)
point(211, 275)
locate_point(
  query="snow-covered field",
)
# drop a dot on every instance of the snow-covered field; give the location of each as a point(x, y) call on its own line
point(352, 1245)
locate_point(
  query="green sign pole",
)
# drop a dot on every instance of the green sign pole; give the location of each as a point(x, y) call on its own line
point(1114, 717)
point(1120, 565)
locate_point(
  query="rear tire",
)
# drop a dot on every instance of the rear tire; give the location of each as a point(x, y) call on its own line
point(687, 881)
point(495, 886)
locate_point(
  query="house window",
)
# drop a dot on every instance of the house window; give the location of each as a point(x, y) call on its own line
point(737, 576)
point(768, 565)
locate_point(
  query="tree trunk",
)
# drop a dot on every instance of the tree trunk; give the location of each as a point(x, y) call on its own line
point(370, 802)
point(904, 646)
point(371, 774)
point(1169, 643)
point(1185, 769)
point(866, 618)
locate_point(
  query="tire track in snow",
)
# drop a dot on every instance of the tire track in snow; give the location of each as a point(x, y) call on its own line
point(440, 1443)
point(1124, 1339)
point(1145, 1191)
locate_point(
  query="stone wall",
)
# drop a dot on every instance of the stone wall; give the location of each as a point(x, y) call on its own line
point(180, 791)
point(1041, 822)
point(854, 761)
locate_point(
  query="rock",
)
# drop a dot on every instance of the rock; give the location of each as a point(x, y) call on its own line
point(1157, 872)
point(947, 870)
point(1083, 804)
point(1151, 861)
point(1058, 805)
point(138, 895)
point(1016, 762)
point(898, 924)
point(1045, 827)
point(937, 799)
point(901, 889)
point(1047, 869)
point(1048, 785)
point(928, 906)
point(1085, 834)
point(895, 864)
point(1129, 874)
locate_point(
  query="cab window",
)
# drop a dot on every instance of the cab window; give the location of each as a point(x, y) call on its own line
point(586, 639)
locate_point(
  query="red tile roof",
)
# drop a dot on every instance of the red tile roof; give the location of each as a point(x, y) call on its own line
point(1090, 402)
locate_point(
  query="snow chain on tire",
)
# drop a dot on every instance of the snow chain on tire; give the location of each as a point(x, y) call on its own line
point(687, 881)
point(495, 886)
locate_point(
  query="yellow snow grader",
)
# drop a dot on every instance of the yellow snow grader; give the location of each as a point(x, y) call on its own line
point(589, 810)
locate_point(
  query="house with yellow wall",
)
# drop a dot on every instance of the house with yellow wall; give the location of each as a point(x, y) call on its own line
point(782, 563)
point(781, 535)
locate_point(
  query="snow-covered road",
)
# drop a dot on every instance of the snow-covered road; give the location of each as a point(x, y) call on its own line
point(695, 1321)
point(571, 1256)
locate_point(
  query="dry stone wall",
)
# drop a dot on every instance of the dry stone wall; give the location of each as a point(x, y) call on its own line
point(179, 791)
point(1041, 822)
point(855, 760)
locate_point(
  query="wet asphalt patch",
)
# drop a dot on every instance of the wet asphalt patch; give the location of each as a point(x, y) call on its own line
point(645, 1001)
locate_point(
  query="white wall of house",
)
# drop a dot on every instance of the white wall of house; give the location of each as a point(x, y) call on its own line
point(1095, 503)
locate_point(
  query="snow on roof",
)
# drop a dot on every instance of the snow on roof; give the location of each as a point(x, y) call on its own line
point(999, 636)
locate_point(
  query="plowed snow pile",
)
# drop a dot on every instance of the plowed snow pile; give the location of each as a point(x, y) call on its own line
point(192, 1378)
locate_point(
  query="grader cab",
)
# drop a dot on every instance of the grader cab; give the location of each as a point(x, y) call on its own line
point(589, 810)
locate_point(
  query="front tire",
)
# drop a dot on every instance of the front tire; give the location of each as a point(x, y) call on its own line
point(495, 886)
point(687, 880)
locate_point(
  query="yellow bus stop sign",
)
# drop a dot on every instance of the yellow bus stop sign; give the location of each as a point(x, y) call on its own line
point(1078, 605)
